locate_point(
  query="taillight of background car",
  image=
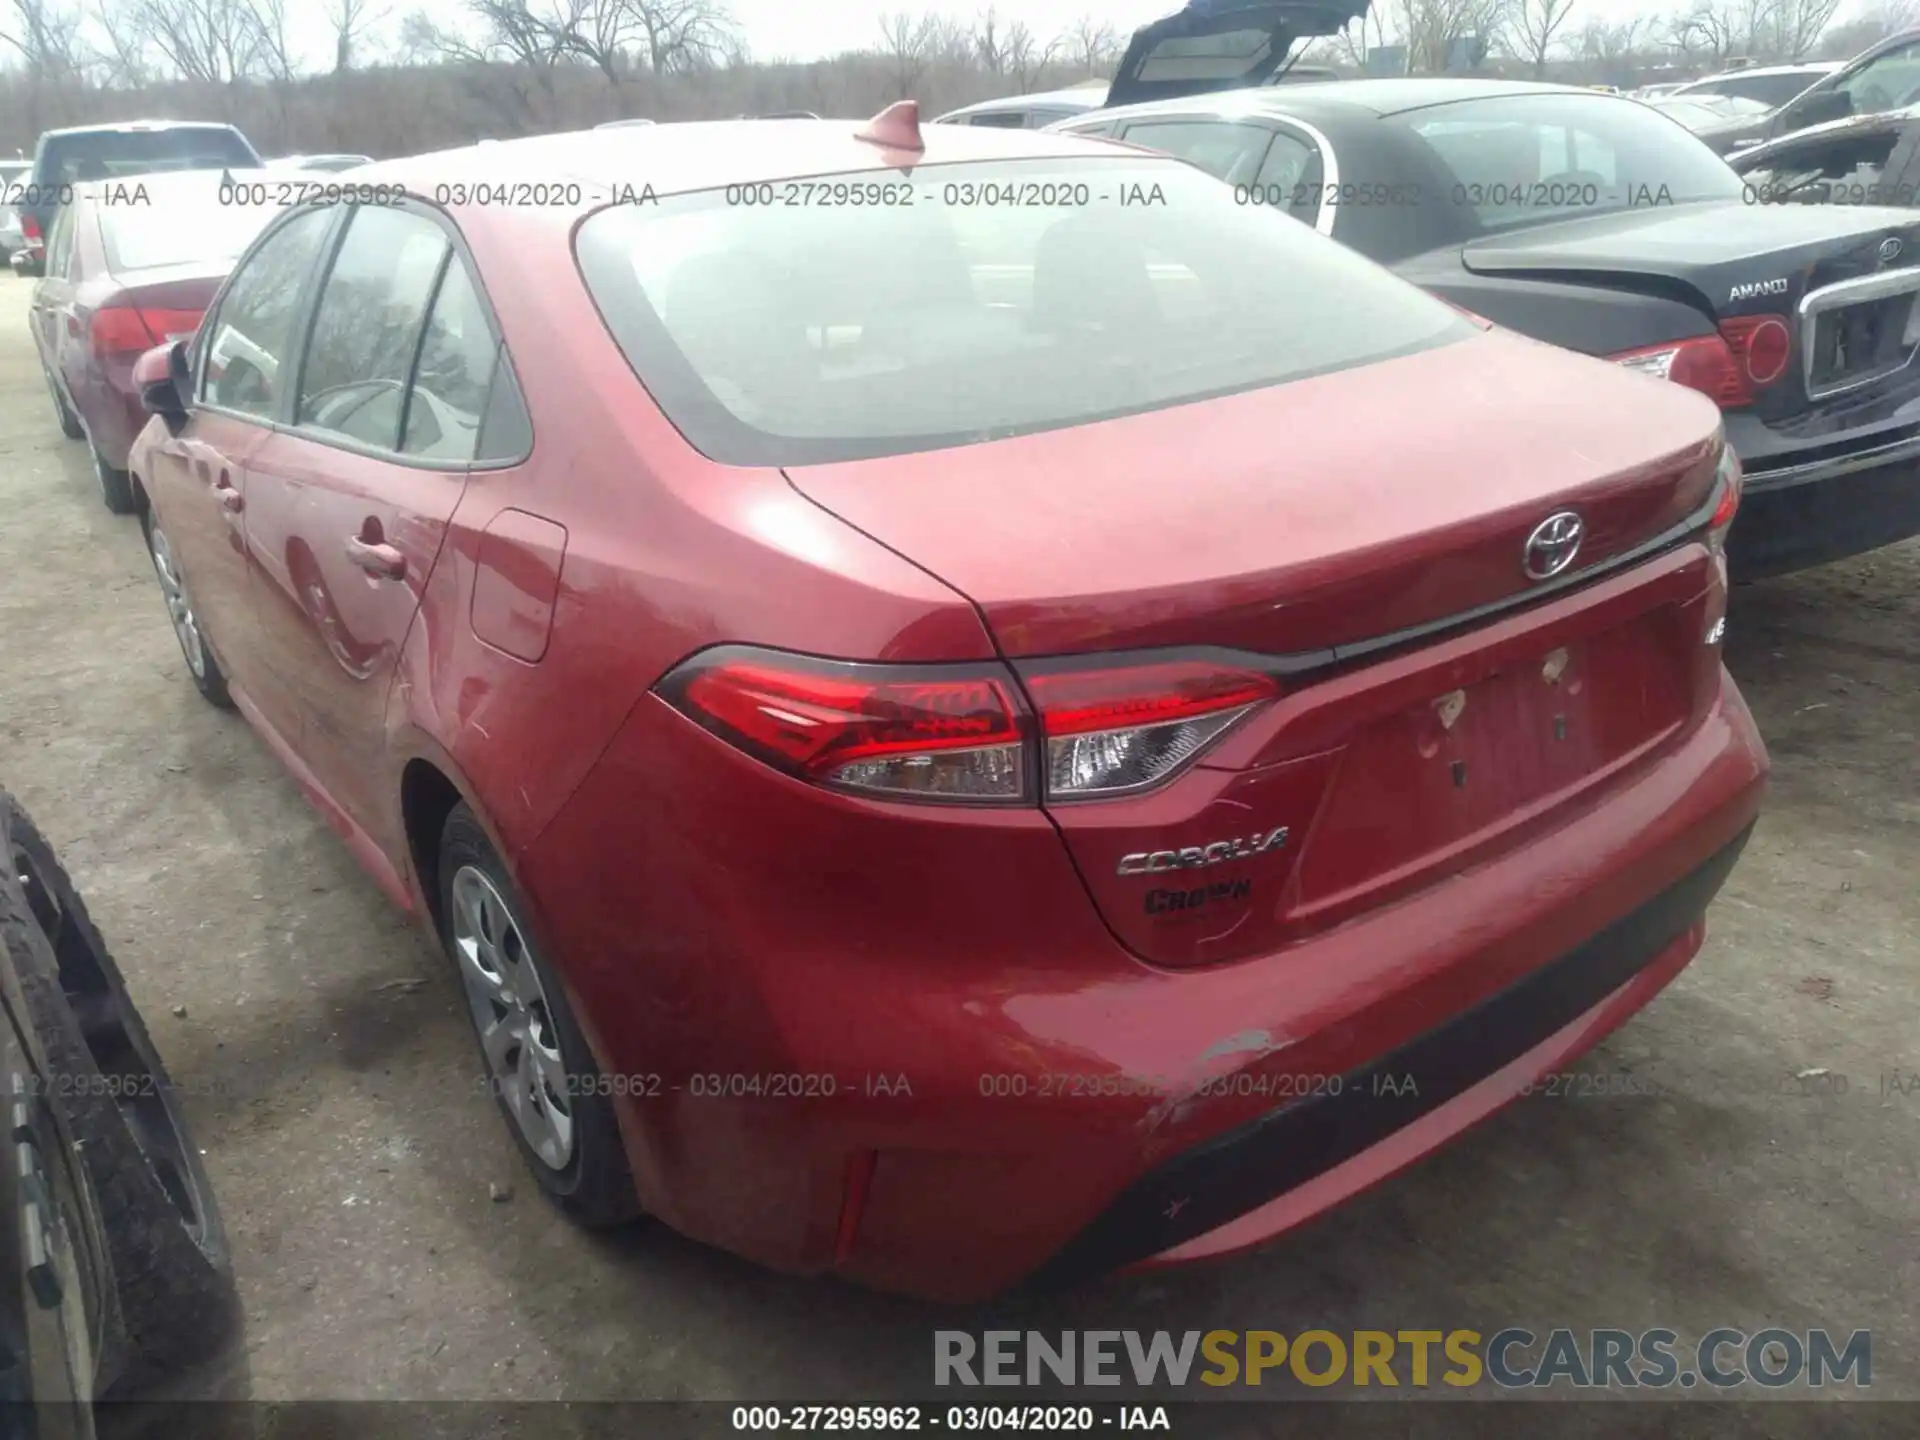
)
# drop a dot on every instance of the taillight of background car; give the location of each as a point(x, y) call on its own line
point(119, 329)
point(1080, 729)
point(1749, 353)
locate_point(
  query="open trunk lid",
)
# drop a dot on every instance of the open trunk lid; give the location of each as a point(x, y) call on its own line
point(1221, 45)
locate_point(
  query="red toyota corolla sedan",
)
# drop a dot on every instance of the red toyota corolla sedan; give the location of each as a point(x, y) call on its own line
point(967, 709)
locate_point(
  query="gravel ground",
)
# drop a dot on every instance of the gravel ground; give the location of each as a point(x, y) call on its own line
point(328, 1070)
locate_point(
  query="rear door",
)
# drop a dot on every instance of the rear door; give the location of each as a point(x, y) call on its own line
point(1222, 45)
point(53, 293)
point(348, 507)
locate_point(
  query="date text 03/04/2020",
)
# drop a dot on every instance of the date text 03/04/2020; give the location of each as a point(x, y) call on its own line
point(961, 1419)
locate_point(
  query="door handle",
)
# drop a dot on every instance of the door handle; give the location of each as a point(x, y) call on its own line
point(383, 562)
point(230, 499)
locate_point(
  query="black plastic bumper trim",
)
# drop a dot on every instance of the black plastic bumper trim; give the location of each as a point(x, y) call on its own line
point(1224, 1178)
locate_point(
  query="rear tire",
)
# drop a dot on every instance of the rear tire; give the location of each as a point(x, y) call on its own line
point(172, 1273)
point(70, 425)
point(205, 672)
point(520, 1014)
point(116, 486)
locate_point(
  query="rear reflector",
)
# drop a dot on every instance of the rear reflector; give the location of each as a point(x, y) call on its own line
point(1761, 344)
point(962, 733)
point(1728, 481)
point(1705, 363)
point(1118, 729)
point(29, 227)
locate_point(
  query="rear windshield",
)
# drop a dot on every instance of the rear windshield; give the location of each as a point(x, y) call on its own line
point(875, 313)
point(172, 228)
point(106, 154)
point(1523, 159)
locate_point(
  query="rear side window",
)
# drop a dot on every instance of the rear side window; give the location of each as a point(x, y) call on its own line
point(248, 336)
point(1001, 119)
point(367, 325)
point(106, 154)
point(1221, 148)
point(1008, 297)
point(455, 371)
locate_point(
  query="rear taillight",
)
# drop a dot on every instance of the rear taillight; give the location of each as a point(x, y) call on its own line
point(126, 330)
point(1705, 363)
point(920, 733)
point(1114, 729)
point(1749, 353)
point(30, 228)
point(1727, 484)
point(965, 733)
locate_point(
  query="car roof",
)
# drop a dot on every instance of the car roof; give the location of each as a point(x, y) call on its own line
point(706, 155)
point(125, 126)
point(1367, 97)
point(159, 184)
point(1804, 67)
point(1086, 97)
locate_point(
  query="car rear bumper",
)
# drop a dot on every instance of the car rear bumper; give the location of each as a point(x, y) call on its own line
point(1821, 503)
point(930, 1068)
point(109, 406)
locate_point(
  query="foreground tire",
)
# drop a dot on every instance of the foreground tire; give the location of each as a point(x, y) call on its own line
point(207, 676)
point(171, 1270)
point(535, 1060)
point(116, 486)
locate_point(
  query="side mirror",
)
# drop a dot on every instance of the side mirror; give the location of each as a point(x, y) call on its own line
point(1816, 109)
point(162, 378)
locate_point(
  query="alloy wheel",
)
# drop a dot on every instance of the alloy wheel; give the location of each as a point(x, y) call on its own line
point(511, 1016)
point(179, 603)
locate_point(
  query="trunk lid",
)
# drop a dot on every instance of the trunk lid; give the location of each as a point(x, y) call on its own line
point(1221, 45)
point(1842, 277)
point(1298, 518)
point(1307, 520)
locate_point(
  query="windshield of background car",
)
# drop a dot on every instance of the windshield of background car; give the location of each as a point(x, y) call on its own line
point(873, 313)
point(108, 154)
point(1524, 159)
point(171, 225)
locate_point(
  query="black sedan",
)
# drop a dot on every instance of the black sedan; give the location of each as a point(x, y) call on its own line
point(1596, 223)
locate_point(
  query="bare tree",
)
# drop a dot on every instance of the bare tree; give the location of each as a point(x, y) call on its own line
point(1089, 46)
point(1361, 36)
point(1792, 27)
point(683, 35)
point(990, 42)
point(125, 63)
point(352, 23)
point(1430, 28)
point(1609, 46)
point(45, 35)
point(1022, 57)
point(271, 48)
point(906, 41)
point(215, 42)
point(1532, 27)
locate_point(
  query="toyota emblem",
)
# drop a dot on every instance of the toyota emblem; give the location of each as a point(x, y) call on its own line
point(1552, 545)
point(1890, 250)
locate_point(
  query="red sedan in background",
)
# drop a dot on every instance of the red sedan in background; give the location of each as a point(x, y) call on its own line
point(964, 707)
point(132, 263)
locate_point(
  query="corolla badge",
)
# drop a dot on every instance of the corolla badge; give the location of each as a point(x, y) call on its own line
point(1552, 545)
point(1192, 857)
point(1890, 249)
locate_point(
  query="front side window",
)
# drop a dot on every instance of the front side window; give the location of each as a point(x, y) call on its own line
point(60, 244)
point(1222, 148)
point(1521, 160)
point(1884, 83)
point(1008, 297)
point(248, 337)
point(367, 325)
